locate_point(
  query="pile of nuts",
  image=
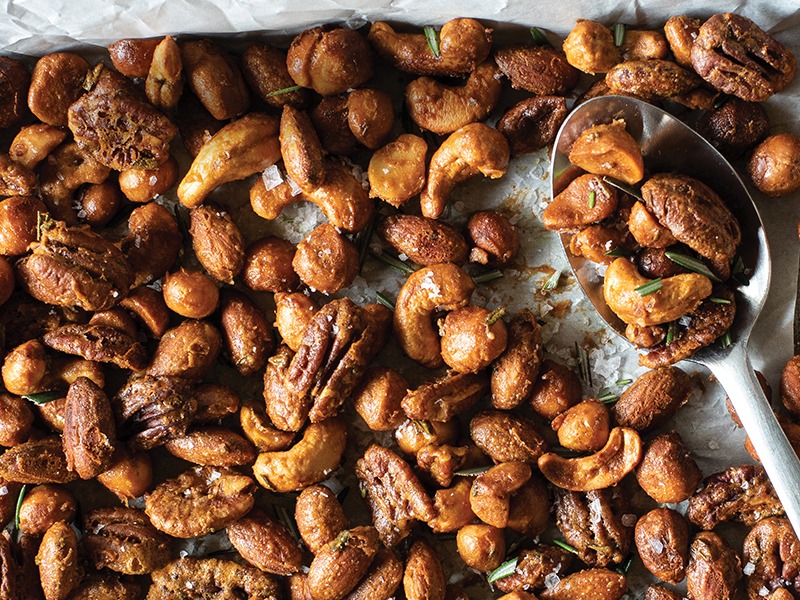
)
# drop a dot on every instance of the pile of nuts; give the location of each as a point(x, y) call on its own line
point(115, 345)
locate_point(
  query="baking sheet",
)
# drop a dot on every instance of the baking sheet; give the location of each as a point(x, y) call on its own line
point(35, 27)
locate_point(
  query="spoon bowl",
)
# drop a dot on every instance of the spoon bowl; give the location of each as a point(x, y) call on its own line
point(669, 145)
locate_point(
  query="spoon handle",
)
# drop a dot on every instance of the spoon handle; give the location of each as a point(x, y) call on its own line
point(736, 375)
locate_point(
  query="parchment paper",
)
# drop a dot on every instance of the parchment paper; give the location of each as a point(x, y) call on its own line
point(35, 27)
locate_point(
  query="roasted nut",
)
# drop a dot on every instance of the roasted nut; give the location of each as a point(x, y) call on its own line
point(129, 476)
point(326, 260)
point(259, 429)
point(451, 507)
point(16, 419)
point(15, 180)
point(382, 578)
point(36, 461)
point(329, 60)
point(771, 554)
point(151, 410)
point(18, 224)
point(370, 116)
point(494, 239)
point(681, 32)
point(293, 311)
point(148, 305)
point(99, 203)
point(790, 386)
point(584, 427)
point(319, 517)
point(59, 569)
point(393, 492)
point(164, 83)
point(490, 498)
point(144, 185)
point(6, 280)
point(301, 149)
point(529, 508)
point(412, 435)
point(646, 230)
point(132, 57)
point(199, 501)
point(596, 524)
point(651, 79)
point(590, 47)
point(214, 402)
point(397, 171)
point(507, 438)
point(214, 77)
point(424, 576)
point(14, 83)
point(99, 343)
point(438, 287)
point(56, 83)
point(667, 472)
point(287, 409)
point(571, 210)
point(444, 109)
point(45, 505)
point(195, 123)
point(25, 369)
point(646, 337)
point(535, 567)
point(190, 294)
point(245, 146)
point(330, 119)
point(264, 69)
point(200, 578)
point(245, 332)
point(35, 142)
point(188, 350)
point(537, 69)
point(654, 262)
point(653, 398)
point(773, 165)
point(655, 592)
point(212, 446)
point(735, 127)
point(714, 568)
point(441, 462)
point(742, 494)
point(424, 241)
point(265, 543)
point(737, 57)
point(532, 124)
point(557, 388)
point(89, 429)
point(644, 44)
point(662, 540)
point(309, 461)
point(591, 584)
point(338, 566)
point(217, 242)
point(153, 242)
point(472, 337)
point(378, 397)
point(123, 540)
point(463, 45)
point(268, 265)
point(444, 397)
point(514, 372)
point(608, 149)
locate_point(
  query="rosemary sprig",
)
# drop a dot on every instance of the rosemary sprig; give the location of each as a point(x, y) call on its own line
point(364, 239)
point(621, 382)
point(608, 397)
point(473, 472)
point(384, 300)
point(691, 263)
point(487, 277)
point(739, 273)
point(624, 567)
point(565, 546)
point(650, 287)
point(41, 398)
point(552, 282)
point(494, 316)
point(585, 371)
point(592, 198)
point(20, 498)
point(618, 252)
point(725, 340)
point(539, 38)
point(671, 331)
point(720, 300)
point(432, 37)
point(503, 571)
point(391, 261)
point(286, 90)
point(620, 185)
point(619, 33)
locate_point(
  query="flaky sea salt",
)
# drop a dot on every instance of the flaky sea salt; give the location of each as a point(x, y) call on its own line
point(749, 569)
point(551, 580)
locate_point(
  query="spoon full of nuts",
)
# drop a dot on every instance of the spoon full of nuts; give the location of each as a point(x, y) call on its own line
point(715, 329)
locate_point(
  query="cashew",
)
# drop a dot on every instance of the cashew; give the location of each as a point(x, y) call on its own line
point(309, 461)
point(608, 149)
point(463, 44)
point(245, 146)
point(491, 493)
point(34, 142)
point(600, 470)
point(443, 108)
point(646, 229)
point(679, 295)
point(443, 287)
point(164, 83)
point(259, 430)
point(473, 149)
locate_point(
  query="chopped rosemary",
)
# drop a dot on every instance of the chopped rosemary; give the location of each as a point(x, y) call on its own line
point(503, 571)
point(720, 300)
point(608, 397)
point(539, 38)
point(43, 223)
point(624, 567)
point(397, 265)
point(671, 330)
point(44, 397)
point(432, 36)
point(620, 185)
point(495, 315)
point(691, 263)
point(384, 300)
point(487, 277)
point(552, 281)
point(473, 472)
point(583, 364)
point(564, 546)
point(619, 33)
point(20, 498)
point(286, 90)
point(364, 239)
point(649, 287)
point(623, 382)
point(739, 273)
point(721, 100)
point(726, 340)
point(618, 253)
point(592, 198)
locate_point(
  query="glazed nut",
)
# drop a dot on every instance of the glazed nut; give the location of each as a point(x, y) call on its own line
point(735, 127)
point(590, 47)
point(714, 567)
point(129, 476)
point(196, 125)
point(382, 579)
point(319, 517)
point(533, 566)
point(18, 223)
point(667, 472)
point(770, 549)
point(268, 265)
point(15, 180)
point(153, 242)
point(330, 118)
point(572, 209)
point(494, 239)
point(532, 124)
point(651, 79)
point(556, 389)
point(540, 70)
point(441, 462)
point(190, 294)
point(265, 543)
point(246, 333)
point(490, 498)
point(445, 397)
point(370, 116)
point(662, 540)
point(397, 171)
point(326, 260)
point(45, 505)
point(597, 242)
point(257, 428)
point(148, 306)
point(644, 44)
point(214, 402)
point(301, 149)
point(217, 242)
point(605, 468)
point(773, 165)
point(378, 397)
point(609, 149)
point(653, 398)
point(264, 69)
point(790, 385)
point(514, 372)
point(188, 350)
point(56, 83)
point(286, 409)
point(584, 427)
point(505, 437)
point(59, 567)
point(341, 563)
point(424, 241)
point(293, 311)
point(215, 79)
point(100, 343)
point(481, 547)
point(463, 45)
point(14, 83)
point(245, 146)
point(164, 83)
point(451, 507)
point(132, 57)
point(209, 576)
point(646, 229)
point(144, 185)
point(100, 203)
point(472, 337)
point(89, 429)
point(25, 368)
point(212, 446)
point(412, 435)
point(575, 585)
point(681, 32)
point(424, 575)
point(16, 419)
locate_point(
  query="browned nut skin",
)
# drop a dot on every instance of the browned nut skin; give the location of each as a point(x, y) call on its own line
point(494, 239)
point(584, 427)
point(100, 202)
point(667, 472)
point(257, 428)
point(59, 568)
point(287, 409)
point(412, 435)
point(153, 242)
point(773, 551)
point(557, 389)
point(463, 45)
point(164, 82)
point(537, 69)
point(735, 127)
point(99, 342)
point(45, 505)
point(293, 311)
point(533, 566)
point(18, 223)
point(445, 397)
point(215, 78)
point(790, 386)
point(57, 82)
point(714, 568)
point(378, 397)
point(570, 211)
point(36, 461)
point(16, 419)
point(132, 57)
point(301, 149)
point(742, 494)
point(662, 540)
point(246, 333)
point(424, 576)
point(264, 69)
point(643, 44)
point(319, 517)
point(268, 265)
point(129, 476)
point(590, 47)
point(505, 437)
point(451, 507)
point(514, 372)
point(89, 429)
point(653, 262)
point(651, 79)
point(326, 260)
point(212, 446)
point(397, 171)
point(382, 578)
point(329, 60)
point(341, 563)
point(774, 165)
point(331, 122)
point(482, 547)
point(188, 350)
point(591, 584)
point(148, 306)
point(532, 124)
point(265, 543)
point(144, 185)
point(15, 180)
point(212, 577)
point(424, 241)
point(717, 57)
point(472, 337)
point(492, 491)
point(190, 294)
point(681, 32)
point(14, 83)
point(394, 493)
point(25, 368)
point(217, 242)
point(655, 592)
point(653, 398)
point(105, 585)
point(123, 540)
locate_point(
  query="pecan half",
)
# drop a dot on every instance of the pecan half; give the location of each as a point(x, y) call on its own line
point(714, 568)
point(534, 566)
point(90, 433)
point(771, 555)
point(445, 397)
point(211, 579)
point(98, 342)
point(36, 461)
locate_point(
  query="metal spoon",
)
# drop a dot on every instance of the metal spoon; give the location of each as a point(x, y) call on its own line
point(668, 145)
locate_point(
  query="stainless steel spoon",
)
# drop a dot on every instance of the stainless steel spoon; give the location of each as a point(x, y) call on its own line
point(668, 145)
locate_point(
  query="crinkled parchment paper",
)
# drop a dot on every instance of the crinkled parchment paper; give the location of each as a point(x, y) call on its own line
point(35, 27)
